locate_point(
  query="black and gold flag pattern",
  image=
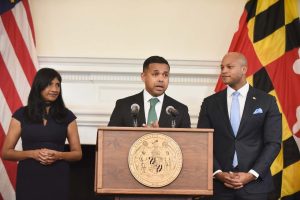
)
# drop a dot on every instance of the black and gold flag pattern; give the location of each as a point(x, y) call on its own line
point(269, 36)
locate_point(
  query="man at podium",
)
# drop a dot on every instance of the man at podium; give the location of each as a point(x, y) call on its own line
point(151, 107)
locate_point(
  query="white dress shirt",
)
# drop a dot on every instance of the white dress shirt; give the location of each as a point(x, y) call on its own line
point(242, 100)
point(158, 106)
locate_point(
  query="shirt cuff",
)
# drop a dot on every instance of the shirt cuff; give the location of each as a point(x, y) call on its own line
point(218, 171)
point(254, 173)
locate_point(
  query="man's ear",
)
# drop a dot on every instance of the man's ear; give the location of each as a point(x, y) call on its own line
point(143, 76)
point(245, 68)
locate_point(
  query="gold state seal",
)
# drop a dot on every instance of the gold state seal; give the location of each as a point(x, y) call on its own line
point(155, 160)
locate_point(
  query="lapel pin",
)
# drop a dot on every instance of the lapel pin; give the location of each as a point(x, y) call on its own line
point(254, 98)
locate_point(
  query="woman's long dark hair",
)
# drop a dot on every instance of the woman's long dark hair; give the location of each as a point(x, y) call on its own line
point(36, 107)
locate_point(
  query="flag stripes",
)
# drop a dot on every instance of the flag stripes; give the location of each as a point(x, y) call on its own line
point(12, 64)
point(5, 111)
point(6, 189)
point(29, 20)
point(19, 46)
point(9, 166)
point(8, 88)
point(18, 66)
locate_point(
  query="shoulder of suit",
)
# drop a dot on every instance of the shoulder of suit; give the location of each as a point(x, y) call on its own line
point(259, 92)
point(131, 98)
point(216, 95)
point(174, 101)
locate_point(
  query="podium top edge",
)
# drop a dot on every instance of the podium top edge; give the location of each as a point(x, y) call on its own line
point(114, 128)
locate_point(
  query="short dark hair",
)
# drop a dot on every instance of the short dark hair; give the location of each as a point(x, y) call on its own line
point(35, 110)
point(154, 59)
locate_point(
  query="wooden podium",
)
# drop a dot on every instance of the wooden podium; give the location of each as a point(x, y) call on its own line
point(112, 174)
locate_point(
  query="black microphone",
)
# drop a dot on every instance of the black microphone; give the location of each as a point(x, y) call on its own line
point(170, 110)
point(135, 108)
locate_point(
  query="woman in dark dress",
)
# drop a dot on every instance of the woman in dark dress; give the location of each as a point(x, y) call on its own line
point(43, 125)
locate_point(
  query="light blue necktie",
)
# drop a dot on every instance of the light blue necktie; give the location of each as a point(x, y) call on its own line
point(235, 120)
point(152, 117)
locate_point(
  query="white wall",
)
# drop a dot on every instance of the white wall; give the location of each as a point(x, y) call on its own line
point(99, 46)
point(175, 29)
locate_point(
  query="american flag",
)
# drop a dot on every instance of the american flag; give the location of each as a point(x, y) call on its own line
point(18, 65)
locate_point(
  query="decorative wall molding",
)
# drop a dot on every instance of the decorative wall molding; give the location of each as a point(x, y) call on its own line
point(92, 85)
point(128, 70)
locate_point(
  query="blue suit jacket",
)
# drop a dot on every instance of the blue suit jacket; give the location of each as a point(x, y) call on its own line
point(257, 142)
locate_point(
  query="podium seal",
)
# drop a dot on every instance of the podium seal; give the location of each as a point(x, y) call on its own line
point(155, 160)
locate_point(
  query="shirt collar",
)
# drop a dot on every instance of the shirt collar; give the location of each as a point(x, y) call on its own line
point(243, 90)
point(148, 96)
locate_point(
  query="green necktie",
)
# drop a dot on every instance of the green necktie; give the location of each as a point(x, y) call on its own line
point(152, 117)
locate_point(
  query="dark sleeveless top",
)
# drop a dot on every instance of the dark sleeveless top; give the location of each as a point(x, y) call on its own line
point(34, 180)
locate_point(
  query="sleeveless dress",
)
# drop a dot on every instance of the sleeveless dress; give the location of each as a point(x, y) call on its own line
point(34, 180)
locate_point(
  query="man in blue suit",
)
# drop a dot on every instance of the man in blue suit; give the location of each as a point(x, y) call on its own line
point(247, 134)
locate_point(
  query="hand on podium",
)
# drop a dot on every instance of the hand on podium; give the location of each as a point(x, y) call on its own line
point(152, 125)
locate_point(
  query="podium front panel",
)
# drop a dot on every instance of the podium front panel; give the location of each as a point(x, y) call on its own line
point(113, 175)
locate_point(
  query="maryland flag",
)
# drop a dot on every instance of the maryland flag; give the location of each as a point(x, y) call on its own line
point(269, 37)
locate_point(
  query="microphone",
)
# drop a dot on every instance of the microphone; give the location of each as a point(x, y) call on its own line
point(170, 110)
point(135, 108)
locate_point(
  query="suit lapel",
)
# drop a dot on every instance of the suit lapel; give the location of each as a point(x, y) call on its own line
point(141, 116)
point(248, 108)
point(222, 102)
point(163, 119)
